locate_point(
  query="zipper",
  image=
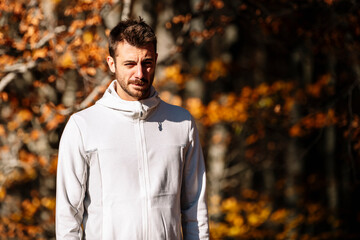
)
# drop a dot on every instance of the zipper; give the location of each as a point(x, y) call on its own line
point(144, 176)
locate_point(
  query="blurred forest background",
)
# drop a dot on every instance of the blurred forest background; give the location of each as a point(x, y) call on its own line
point(274, 86)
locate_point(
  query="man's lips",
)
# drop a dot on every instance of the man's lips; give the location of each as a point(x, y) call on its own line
point(139, 83)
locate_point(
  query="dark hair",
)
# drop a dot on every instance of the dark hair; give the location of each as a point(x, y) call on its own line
point(135, 32)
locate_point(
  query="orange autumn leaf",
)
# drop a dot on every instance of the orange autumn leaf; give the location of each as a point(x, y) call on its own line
point(7, 60)
point(2, 193)
point(331, 116)
point(53, 165)
point(215, 69)
point(39, 53)
point(2, 130)
point(30, 207)
point(217, 3)
point(87, 37)
point(34, 135)
point(262, 89)
point(5, 148)
point(170, 98)
point(4, 96)
point(27, 157)
point(82, 57)
point(34, 230)
point(308, 122)
point(181, 18)
point(316, 88)
point(12, 125)
point(213, 112)
point(20, 45)
point(295, 131)
point(25, 115)
point(43, 161)
point(49, 203)
point(329, 2)
point(320, 120)
point(46, 112)
point(55, 121)
point(246, 92)
point(195, 107)
point(254, 220)
point(251, 139)
point(60, 107)
point(52, 78)
point(66, 60)
point(38, 84)
point(279, 215)
point(94, 20)
point(249, 194)
point(230, 204)
point(91, 71)
point(173, 73)
point(76, 24)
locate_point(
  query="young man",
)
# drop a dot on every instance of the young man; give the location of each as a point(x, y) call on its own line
point(131, 166)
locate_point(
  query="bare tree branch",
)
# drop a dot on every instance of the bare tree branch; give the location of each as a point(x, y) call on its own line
point(49, 36)
point(126, 9)
point(6, 80)
point(20, 67)
point(12, 69)
point(94, 93)
point(88, 99)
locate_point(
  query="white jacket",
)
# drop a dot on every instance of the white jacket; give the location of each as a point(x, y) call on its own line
point(131, 170)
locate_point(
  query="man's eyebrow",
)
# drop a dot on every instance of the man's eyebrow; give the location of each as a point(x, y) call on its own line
point(133, 61)
point(129, 61)
point(148, 58)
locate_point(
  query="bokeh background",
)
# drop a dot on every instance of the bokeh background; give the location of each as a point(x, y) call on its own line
point(273, 84)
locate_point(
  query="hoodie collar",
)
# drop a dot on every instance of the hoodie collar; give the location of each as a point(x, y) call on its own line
point(133, 109)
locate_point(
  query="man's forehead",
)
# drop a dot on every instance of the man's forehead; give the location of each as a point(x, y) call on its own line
point(125, 48)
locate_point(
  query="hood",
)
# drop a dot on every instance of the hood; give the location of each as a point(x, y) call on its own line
point(133, 109)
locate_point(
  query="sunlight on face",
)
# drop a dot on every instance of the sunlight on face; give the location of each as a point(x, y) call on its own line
point(134, 70)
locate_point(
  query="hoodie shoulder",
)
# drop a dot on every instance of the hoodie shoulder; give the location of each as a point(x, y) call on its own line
point(174, 112)
point(88, 117)
point(87, 112)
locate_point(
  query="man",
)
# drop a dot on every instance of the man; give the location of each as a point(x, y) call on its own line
point(131, 166)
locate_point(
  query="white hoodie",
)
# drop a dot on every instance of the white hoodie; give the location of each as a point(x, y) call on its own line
point(131, 170)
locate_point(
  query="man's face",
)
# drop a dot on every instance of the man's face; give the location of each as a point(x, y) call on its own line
point(134, 70)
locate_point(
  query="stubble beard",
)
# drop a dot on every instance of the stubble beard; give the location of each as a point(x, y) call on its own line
point(136, 94)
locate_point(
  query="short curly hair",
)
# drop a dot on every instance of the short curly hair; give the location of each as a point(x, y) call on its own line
point(136, 32)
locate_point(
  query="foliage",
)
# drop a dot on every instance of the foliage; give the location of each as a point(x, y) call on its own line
point(255, 218)
point(282, 77)
point(39, 55)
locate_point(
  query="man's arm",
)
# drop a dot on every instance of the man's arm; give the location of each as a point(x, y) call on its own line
point(195, 222)
point(71, 183)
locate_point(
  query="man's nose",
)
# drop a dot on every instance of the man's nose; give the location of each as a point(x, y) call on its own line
point(139, 71)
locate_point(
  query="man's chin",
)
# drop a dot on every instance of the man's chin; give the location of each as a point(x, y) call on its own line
point(140, 94)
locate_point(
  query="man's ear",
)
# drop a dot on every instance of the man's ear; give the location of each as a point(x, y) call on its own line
point(111, 63)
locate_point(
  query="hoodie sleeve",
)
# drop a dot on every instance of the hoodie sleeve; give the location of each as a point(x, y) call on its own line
point(71, 183)
point(193, 195)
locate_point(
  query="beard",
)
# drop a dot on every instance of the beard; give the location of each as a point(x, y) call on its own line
point(136, 88)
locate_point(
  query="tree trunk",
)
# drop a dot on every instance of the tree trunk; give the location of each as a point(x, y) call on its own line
point(294, 161)
point(217, 150)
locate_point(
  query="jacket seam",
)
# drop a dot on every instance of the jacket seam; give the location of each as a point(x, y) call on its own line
point(146, 177)
point(82, 152)
point(84, 176)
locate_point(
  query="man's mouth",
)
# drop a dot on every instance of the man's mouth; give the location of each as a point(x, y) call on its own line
point(138, 82)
